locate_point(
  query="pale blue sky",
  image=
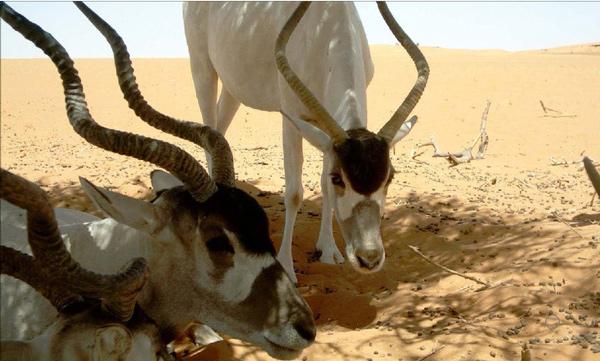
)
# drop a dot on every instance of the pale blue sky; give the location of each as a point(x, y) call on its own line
point(155, 29)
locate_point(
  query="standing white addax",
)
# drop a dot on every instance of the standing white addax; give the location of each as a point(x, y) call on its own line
point(317, 80)
point(206, 242)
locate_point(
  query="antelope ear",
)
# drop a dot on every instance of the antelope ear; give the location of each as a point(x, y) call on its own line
point(204, 335)
point(111, 343)
point(404, 129)
point(15, 351)
point(315, 136)
point(133, 212)
point(162, 180)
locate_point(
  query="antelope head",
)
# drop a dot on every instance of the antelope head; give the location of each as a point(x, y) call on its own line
point(217, 265)
point(98, 317)
point(360, 166)
point(208, 242)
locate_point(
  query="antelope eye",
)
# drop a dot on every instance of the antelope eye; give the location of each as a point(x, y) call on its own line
point(337, 180)
point(219, 244)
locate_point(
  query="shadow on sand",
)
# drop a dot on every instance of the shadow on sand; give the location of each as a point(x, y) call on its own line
point(410, 299)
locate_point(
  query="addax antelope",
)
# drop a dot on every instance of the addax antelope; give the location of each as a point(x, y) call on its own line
point(317, 80)
point(207, 242)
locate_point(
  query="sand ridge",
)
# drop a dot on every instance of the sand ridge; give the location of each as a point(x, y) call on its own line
point(512, 218)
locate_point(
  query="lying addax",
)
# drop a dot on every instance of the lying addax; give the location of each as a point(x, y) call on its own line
point(206, 242)
point(234, 42)
point(98, 317)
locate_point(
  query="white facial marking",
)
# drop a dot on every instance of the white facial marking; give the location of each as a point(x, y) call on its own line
point(350, 198)
point(347, 202)
point(237, 282)
point(379, 197)
point(283, 285)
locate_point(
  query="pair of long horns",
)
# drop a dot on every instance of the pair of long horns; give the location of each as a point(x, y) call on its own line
point(204, 136)
point(52, 271)
point(320, 116)
point(165, 155)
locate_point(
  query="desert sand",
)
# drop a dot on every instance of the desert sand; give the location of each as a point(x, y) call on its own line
point(512, 219)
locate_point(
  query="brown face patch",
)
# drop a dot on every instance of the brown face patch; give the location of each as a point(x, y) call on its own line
point(365, 159)
point(219, 249)
point(229, 208)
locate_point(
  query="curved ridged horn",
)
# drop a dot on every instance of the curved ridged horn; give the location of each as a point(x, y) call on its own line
point(24, 267)
point(118, 292)
point(389, 130)
point(320, 117)
point(204, 136)
point(592, 173)
point(165, 155)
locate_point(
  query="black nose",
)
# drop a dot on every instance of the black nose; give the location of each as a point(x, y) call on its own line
point(369, 258)
point(306, 330)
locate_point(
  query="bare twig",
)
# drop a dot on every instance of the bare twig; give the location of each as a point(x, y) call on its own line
point(555, 162)
point(560, 114)
point(432, 142)
point(483, 136)
point(431, 353)
point(525, 353)
point(562, 220)
point(543, 107)
point(464, 176)
point(522, 182)
point(466, 155)
point(566, 163)
point(546, 109)
point(416, 250)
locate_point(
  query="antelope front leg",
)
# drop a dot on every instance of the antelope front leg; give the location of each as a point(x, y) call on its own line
point(330, 253)
point(294, 192)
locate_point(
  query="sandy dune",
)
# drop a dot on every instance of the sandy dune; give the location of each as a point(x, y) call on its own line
point(512, 219)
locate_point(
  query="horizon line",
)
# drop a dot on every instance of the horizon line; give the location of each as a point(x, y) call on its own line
point(587, 44)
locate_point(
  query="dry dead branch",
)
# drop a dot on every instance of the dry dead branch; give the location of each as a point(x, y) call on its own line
point(451, 271)
point(562, 220)
point(431, 353)
point(546, 109)
point(558, 114)
point(562, 161)
point(525, 353)
point(466, 155)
